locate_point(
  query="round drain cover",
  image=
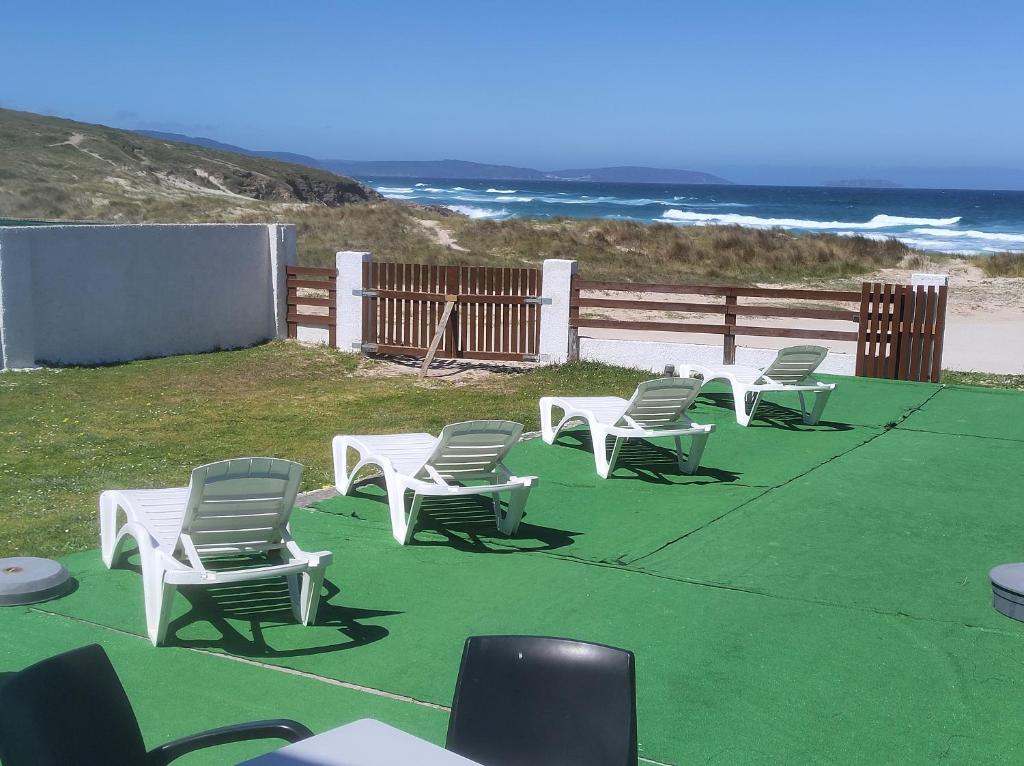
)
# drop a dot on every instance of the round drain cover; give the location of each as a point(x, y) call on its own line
point(1008, 590)
point(27, 580)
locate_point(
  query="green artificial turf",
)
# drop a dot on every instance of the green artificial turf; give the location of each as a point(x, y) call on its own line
point(813, 594)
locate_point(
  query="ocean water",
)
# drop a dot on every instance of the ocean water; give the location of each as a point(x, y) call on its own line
point(941, 220)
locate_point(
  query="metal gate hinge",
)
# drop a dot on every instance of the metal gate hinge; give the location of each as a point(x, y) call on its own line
point(537, 300)
point(364, 293)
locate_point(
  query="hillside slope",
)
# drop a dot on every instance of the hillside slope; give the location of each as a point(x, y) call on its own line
point(51, 167)
point(59, 169)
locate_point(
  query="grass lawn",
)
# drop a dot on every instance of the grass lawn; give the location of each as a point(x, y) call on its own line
point(70, 433)
point(811, 595)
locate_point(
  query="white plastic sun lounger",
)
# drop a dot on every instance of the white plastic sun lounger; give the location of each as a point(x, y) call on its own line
point(656, 409)
point(230, 509)
point(439, 466)
point(791, 371)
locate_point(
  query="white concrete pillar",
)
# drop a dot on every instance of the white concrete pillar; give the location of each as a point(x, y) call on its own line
point(17, 312)
point(554, 311)
point(929, 280)
point(350, 307)
point(282, 255)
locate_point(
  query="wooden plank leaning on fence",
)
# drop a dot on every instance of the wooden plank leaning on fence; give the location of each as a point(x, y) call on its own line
point(442, 326)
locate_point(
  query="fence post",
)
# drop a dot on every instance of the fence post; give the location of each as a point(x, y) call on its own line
point(729, 340)
point(554, 311)
point(574, 318)
point(282, 255)
point(350, 306)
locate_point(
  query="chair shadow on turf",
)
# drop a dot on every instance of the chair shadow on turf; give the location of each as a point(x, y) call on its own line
point(263, 604)
point(647, 461)
point(771, 414)
point(466, 523)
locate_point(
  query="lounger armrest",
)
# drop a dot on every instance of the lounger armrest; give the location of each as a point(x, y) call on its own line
point(280, 728)
point(315, 558)
point(510, 478)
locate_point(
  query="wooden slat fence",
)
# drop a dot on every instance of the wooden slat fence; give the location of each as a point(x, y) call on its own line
point(728, 308)
point(496, 316)
point(318, 289)
point(898, 329)
point(901, 332)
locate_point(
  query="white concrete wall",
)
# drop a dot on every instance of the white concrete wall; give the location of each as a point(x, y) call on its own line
point(93, 294)
point(655, 355)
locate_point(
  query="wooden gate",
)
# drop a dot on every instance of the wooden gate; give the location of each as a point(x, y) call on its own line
point(319, 293)
point(901, 331)
point(496, 312)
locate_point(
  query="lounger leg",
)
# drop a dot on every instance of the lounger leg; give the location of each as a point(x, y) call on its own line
point(414, 512)
point(108, 530)
point(820, 399)
point(305, 591)
point(692, 462)
point(159, 597)
point(743, 417)
point(547, 433)
point(605, 463)
point(401, 523)
point(508, 523)
point(343, 478)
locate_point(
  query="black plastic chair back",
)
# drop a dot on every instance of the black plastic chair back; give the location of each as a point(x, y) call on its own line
point(533, 701)
point(68, 709)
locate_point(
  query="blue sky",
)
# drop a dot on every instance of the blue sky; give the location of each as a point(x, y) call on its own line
point(756, 91)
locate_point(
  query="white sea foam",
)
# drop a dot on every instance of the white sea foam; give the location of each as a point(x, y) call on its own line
point(431, 189)
point(420, 184)
point(394, 189)
point(509, 198)
point(881, 221)
point(985, 236)
point(459, 188)
point(502, 191)
point(478, 212)
point(949, 240)
point(393, 195)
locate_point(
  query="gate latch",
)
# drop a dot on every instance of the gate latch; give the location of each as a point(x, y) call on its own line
point(364, 293)
point(537, 300)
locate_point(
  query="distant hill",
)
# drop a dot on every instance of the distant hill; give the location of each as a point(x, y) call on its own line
point(55, 167)
point(630, 174)
point(209, 143)
point(433, 169)
point(863, 183)
point(460, 168)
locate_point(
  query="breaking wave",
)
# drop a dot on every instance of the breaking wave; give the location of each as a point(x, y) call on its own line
point(881, 221)
point(478, 212)
point(987, 236)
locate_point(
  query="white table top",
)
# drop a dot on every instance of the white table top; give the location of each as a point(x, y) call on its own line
point(361, 743)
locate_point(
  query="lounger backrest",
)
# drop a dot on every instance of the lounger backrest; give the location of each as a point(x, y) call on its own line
point(662, 402)
point(794, 364)
point(240, 505)
point(472, 449)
